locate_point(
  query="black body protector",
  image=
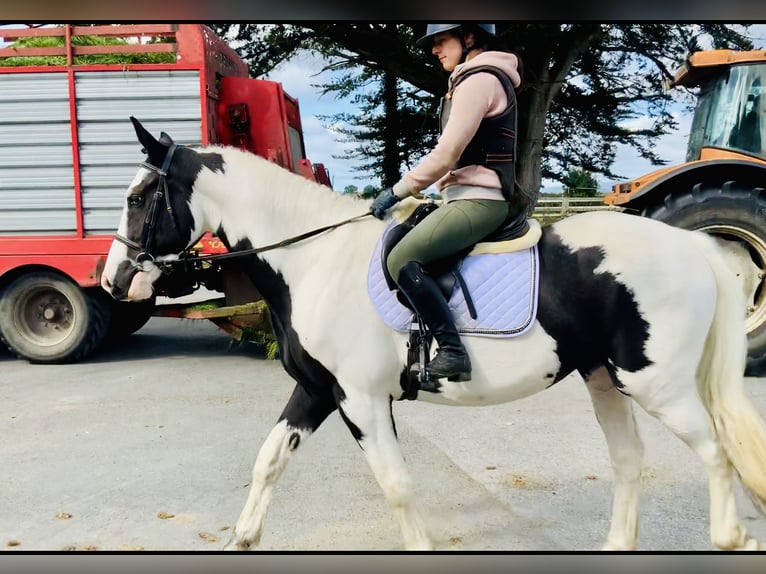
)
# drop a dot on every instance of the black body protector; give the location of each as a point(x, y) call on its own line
point(494, 144)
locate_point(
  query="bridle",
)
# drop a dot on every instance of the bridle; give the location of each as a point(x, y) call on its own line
point(147, 234)
point(144, 248)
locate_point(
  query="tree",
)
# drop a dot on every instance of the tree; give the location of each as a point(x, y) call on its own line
point(580, 183)
point(350, 189)
point(583, 81)
point(389, 124)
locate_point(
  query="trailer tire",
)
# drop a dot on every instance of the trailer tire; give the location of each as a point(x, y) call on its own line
point(47, 318)
point(735, 211)
point(128, 317)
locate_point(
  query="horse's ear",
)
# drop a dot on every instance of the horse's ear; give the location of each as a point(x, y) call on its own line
point(153, 148)
point(166, 139)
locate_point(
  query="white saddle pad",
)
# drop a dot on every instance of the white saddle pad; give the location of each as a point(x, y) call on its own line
point(503, 287)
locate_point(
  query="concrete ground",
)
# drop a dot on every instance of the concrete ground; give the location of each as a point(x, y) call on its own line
point(149, 446)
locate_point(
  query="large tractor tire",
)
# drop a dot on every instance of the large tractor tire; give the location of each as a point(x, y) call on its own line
point(733, 211)
point(47, 318)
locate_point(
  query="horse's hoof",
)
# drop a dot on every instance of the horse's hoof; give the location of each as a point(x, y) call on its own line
point(612, 547)
point(751, 544)
point(236, 545)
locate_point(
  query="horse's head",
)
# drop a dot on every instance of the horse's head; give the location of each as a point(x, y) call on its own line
point(157, 220)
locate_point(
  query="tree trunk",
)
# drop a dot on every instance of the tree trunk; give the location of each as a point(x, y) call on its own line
point(391, 156)
point(535, 103)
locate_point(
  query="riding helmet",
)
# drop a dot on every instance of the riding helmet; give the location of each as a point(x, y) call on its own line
point(434, 29)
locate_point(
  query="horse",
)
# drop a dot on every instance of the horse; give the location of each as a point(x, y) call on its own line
point(647, 313)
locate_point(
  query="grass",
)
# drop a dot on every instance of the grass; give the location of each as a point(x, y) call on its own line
point(55, 41)
point(265, 339)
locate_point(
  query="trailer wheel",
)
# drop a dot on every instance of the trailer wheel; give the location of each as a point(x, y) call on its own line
point(47, 318)
point(128, 317)
point(736, 212)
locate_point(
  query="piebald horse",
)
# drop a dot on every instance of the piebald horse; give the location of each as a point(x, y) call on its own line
point(645, 312)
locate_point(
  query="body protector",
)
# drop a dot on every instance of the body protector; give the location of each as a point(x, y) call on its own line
point(494, 144)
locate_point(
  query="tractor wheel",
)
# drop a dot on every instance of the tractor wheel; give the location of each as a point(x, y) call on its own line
point(128, 317)
point(47, 318)
point(736, 212)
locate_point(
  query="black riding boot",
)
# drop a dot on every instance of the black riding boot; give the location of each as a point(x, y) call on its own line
point(423, 293)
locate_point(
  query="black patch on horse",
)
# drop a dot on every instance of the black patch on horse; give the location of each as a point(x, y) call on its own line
point(594, 318)
point(317, 393)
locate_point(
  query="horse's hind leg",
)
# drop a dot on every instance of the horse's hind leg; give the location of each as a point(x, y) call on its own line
point(614, 412)
point(371, 423)
point(300, 418)
point(684, 413)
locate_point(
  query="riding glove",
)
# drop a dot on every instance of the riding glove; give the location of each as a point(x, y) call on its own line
point(385, 200)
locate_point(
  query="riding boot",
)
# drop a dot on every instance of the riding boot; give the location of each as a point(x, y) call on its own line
point(423, 293)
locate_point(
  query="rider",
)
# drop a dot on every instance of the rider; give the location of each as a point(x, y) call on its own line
point(472, 166)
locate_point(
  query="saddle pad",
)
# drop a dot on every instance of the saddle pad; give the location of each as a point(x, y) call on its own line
point(503, 287)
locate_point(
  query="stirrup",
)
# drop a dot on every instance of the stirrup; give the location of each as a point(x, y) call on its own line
point(459, 377)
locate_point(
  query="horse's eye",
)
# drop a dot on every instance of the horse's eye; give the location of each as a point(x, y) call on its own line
point(135, 200)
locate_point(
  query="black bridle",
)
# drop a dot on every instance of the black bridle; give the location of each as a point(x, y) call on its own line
point(144, 248)
point(147, 234)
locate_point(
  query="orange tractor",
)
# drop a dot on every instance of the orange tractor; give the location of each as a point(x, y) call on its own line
point(721, 188)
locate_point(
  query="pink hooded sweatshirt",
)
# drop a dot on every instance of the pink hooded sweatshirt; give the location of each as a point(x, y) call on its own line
point(478, 96)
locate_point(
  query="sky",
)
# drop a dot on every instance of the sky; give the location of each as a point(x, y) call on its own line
point(322, 143)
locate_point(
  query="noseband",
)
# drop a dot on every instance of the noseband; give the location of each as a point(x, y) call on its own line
point(144, 248)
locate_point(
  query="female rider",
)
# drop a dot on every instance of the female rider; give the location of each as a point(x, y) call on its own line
point(472, 166)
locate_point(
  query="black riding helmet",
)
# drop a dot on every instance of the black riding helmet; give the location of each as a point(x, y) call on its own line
point(434, 29)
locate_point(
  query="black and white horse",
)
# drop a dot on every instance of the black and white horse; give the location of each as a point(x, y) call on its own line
point(646, 312)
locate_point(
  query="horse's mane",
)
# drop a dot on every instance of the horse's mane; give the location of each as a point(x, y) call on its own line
point(277, 179)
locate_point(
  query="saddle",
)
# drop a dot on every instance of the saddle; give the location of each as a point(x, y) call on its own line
point(446, 271)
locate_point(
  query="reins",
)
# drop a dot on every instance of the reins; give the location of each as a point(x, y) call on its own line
point(147, 236)
point(283, 243)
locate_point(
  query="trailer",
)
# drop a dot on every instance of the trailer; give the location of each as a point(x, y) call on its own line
point(69, 151)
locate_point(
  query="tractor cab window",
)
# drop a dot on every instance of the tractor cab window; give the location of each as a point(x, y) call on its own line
point(731, 113)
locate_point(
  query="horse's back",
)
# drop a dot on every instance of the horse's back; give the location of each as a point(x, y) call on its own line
point(638, 249)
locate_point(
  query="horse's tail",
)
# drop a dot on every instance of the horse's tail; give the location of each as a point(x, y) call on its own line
point(720, 377)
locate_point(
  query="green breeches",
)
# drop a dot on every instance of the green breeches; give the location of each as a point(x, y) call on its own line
point(447, 230)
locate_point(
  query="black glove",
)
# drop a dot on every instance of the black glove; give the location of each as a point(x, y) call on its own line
point(385, 200)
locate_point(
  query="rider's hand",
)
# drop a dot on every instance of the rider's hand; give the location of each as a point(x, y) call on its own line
point(385, 200)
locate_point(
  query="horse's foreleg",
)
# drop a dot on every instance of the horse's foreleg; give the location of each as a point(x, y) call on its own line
point(300, 418)
point(614, 412)
point(371, 422)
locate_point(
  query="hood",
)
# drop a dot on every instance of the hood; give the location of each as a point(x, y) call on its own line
point(506, 61)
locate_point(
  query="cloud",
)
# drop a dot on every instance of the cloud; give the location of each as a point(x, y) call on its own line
point(299, 73)
point(325, 145)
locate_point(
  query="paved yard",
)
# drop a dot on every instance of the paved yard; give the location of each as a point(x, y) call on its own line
point(151, 446)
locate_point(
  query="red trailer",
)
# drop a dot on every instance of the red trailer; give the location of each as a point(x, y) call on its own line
point(69, 152)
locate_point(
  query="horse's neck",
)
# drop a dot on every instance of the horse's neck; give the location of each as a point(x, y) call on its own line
point(263, 205)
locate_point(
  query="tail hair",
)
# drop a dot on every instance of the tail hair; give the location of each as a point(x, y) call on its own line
point(720, 377)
